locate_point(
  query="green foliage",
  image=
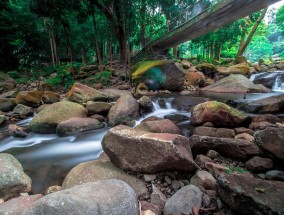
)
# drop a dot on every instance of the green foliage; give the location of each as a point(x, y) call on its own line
point(232, 170)
point(103, 77)
point(14, 74)
point(62, 78)
point(258, 48)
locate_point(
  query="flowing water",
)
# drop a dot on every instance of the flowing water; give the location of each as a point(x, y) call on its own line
point(276, 77)
point(48, 158)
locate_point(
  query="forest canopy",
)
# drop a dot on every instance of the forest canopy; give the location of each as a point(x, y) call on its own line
point(36, 32)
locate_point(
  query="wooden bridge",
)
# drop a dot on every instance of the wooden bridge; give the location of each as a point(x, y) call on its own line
point(197, 20)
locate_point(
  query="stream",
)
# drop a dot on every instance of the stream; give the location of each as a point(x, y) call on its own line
point(48, 158)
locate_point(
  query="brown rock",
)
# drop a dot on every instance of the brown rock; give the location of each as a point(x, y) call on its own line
point(272, 141)
point(227, 147)
point(18, 206)
point(81, 93)
point(216, 169)
point(157, 197)
point(244, 136)
point(146, 104)
point(261, 126)
point(214, 132)
point(203, 179)
point(29, 98)
point(218, 113)
point(248, 195)
point(201, 160)
point(7, 104)
point(50, 97)
point(156, 151)
point(244, 130)
point(125, 109)
point(258, 164)
point(148, 206)
point(266, 118)
point(159, 126)
point(98, 107)
point(196, 79)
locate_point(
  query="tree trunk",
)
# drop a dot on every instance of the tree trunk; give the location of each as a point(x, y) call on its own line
point(256, 24)
point(52, 51)
point(70, 54)
point(99, 58)
point(55, 49)
point(175, 51)
point(83, 56)
point(143, 24)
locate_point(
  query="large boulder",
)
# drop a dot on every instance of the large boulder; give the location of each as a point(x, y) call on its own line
point(93, 171)
point(218, 113)
point(100, 198)
point(246, 194)
point(158, 75)
point(47, 120)
point(184, 200)
point(81, 93)
point(236, 84)
point(267, 105)
point(76, 125)
point(13, 180)
point(125, 109)
point(173, 77)
point(159, 126)
point(272, 141)
point(227, 147)
point(140, 151)
point(29, 98)
point(18, 206)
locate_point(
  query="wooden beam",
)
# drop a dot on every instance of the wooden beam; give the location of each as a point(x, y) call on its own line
point(217, 16)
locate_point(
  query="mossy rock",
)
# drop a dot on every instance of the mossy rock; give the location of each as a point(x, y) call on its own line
point(46, 121)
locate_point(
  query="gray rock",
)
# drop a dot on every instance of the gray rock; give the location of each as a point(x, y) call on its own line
point(47, 120)
point(13, 180)
point(93, 171)
point(23, 110)
point(157, 197)
point(100, 198)
point(275, 175)
point(245, 194)
point(18, 206)
point(184, 200)
point(76, 125)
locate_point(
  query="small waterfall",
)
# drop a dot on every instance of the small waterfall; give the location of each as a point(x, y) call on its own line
point(252, 77)
point(278, 84)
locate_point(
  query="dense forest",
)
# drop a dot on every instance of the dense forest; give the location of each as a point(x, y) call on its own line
point(53, 32)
